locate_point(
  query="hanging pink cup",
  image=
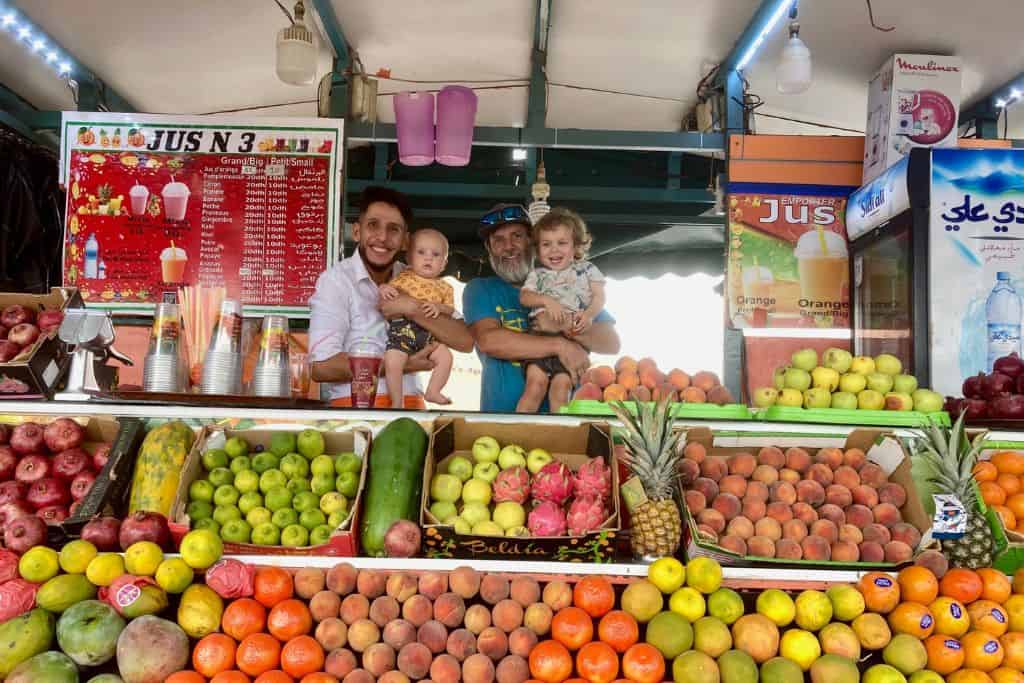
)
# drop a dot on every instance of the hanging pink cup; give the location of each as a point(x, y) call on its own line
point(414, 122)
point(456, 113)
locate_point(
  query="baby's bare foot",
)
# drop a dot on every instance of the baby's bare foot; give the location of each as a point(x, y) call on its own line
point(437, 398)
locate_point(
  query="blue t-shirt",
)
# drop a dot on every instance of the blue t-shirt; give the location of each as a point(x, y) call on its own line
point(502, 381)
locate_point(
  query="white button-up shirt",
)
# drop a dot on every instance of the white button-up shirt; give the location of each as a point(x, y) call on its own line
point(343, 309)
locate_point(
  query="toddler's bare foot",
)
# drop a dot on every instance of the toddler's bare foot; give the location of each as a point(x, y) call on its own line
point(437, 398)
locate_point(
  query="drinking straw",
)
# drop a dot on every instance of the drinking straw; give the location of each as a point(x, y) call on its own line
point(821, 240)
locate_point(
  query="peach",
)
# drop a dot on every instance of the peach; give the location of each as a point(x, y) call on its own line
point(445, 669)
point(648, 377)
point(461, 644)
point(753, 509)
point(832, 513)
point(449, 609)
point(851, 534)
point(782, 492)
point(308, 582)
point(846, 476)
point(734, 544)
point(353, 608)
point(714, 468)
point(602, 376)
point(876, 533)
point(478, 618)
point(378, 659)
point(340, 663)
point(768, 528)
point(706, 532)
point(789, 476)
point(843, 551)
point(399, 633)
point(832, 457)
point(810, 492)
point(512, 669)
point(478, 669)
point(757, 490)
point(507, 615)
point(864, 495)
point(393, 676)
point(935, 561)
point(464, 582)
point(772, 457)
point(871, 552)
point(418, 610)
point(359, 676)
point(892, 493)
point(384, 609)
point(371, 583)
point(727, 504)
point(615, 392)
point(331, 633)
point(898, 552)
point(689, 471)
point(734, 484)
point(625, 363)
point(492, 642)
point(693, 395)
point(795, 530)
point(855, 458)
point(432, 584)
point(341, 578)
point(493, 588)
point(765, 474)
point(414, 660)
point(678, 379)
point(820, 473)
point(713, 519)
point(859, 516)
point(825, 529)
point(401, 586)
point(816, 548)
point(695, 451)
point(798, 459)
point(707, 487)
point(837, 494)
point(906, 533)
point(887, 514)
point(695, 501)
point(788, 549)
point(742, 464)
point(662, 390)
point(537, 618)
point(805, 513)
point(362, 634)
point(525, 590)
point(761, 546)
point(780, 512)
point(433, 634)
point(740, 526)
point(628, 380)
point(325, 605)
point(872, 475)
point(589, 391)
point(558, 594)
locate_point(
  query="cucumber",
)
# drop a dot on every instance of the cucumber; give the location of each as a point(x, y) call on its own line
point(394, 482)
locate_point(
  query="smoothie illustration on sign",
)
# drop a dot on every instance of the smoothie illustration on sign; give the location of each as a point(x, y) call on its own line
point(175, 196)
point(172, 263)
point(823, 264)
point(757, 292)
point(139, 199)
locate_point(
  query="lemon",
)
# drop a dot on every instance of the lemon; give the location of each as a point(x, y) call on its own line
point(76, 556)
point(800, 646)
point(726, 605)
point(104, 568)
point(39, 564)
point(174, 575)
point(142, 558)
point(201, 548)
point(704, 574)
point(668, 574)
point(687, 602)
point(813, 610)
point(777, 606)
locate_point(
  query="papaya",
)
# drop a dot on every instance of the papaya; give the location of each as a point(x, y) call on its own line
point(158, 467)
point(23, 637)
point(61, 592)
point(394, 482)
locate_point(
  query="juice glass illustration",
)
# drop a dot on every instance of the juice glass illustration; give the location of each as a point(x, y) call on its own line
point(175, 196)
point(823, 265)
point(364, 357)
point(757, 292)
point(139, 199)
point(172, 264)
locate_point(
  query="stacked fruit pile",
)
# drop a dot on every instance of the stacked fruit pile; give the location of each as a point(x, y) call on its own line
point(292, 494)
point(835, 505)
point(21, 327)
point(1001, 483)
point(495, 490)
point(641, 380)
point(845, 382)
point(998, 394)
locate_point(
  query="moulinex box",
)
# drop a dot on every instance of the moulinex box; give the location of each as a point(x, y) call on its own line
point(913, 101)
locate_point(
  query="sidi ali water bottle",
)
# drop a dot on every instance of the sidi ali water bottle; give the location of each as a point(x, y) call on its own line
point(1003, 312)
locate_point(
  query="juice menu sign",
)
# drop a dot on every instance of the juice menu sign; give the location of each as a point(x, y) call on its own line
point(157, 202)
point(787, 264)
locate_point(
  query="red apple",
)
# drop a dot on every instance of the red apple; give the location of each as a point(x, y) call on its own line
point(100, 456)
point(49, 320)
point(27, 438)
point(3, 332)
point(23, 334)
point(11, 511)
point(31, 468)
point(63, 434)
point(13, 492)
point(8, 350)
point(68, 464)
point(46, 492)
point(8, 461)
point(52, 514)
point(24, 533)
point(102, 532)
point(81, 485)
point(16, 315)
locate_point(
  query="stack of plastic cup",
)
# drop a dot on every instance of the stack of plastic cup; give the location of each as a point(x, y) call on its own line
point(222, 366)
point(163, 367)
point(272, 375)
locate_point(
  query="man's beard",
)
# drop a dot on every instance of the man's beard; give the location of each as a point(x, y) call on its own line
point(373, 266)
point(515, 273)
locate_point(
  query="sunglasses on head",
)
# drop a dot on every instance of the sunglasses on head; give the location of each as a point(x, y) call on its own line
point(508, 214)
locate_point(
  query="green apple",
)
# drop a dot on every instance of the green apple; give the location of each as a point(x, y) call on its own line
point(518, 532)
point(257, 516)
point(488, 471)
point(445, 487)
point(765, 397)
point(904, 384)
point(862, 365)
point(509, 514)
point(294, 536)
point(333, 501)
point(347, 484)
point(298, 485)
point(222, 514)
point(475, 512)
point(844, 400)
point(282, 443)
point(221, 476)
point(241, 463)
point(927, 401)
point(310, 443)
point(486, 449)
point(208, 523)
point(261, 462)
point(199, 509)
point(837, 359)
point(442, 509)
point(476, 491)
point(512, 455)
point(460, 467)
point(869, 399)
point(888, 364)
point(804, 359)
point(248, 501)
point(880, 382)
point(779, 377)
point(201, 489)
point(817, 398)
point(236, 447)
point(322, 483)
point(797, 378)
point(284, 517)
point(897, 401)
point(214, 458)
point(320, 535)
point(790, 398)
point(272, 479)
point(247, 481)
point(294, 466)
point(322, 464)
point(536, 459)
point(226, 495)
point(825, 378)
point(487, 528)
point(236, 531)
point(266, 534)
point(347, 462)
point(278, 498)
point(335, 519)
point(311, 519)
point(307, 500)
point(853, 383)
point(461, 526)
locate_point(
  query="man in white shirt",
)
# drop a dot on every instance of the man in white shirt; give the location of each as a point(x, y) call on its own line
point(346, 306)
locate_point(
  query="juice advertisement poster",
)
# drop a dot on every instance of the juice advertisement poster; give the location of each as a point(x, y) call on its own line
point(788, 264)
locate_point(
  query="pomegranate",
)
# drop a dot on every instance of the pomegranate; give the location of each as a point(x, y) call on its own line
point(63, 434)
point(81, 485)
point(100, 456)
point(47, 492)
point(23, 335)
point(995, 384)
point(16, 315)
point(69, 464)
point(32, 468)
point(402, 539)
point(8, 350)
point(972, 386)
point(1010, 407)
point(145, 526)
point(102, 532)
point(24, 533)
point(53, 514)
point(73, 510)
point(5, 434)
point(13, 492)
point(1020, 384)
point(11, 511)
point(49, 320)
point(975, 408)
point(8, 461)
point(27, 438)
point(3, 332)
point(1011, 366)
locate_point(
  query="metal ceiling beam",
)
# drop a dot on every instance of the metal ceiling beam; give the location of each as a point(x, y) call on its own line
point(335, 35)
point(537, 101)
point(565, 192)
point(766, 18)
point(19, 115)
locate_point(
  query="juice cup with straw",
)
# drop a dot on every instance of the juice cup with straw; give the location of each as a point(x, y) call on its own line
point(172, 263)
point(822, 262)
point(364, 358)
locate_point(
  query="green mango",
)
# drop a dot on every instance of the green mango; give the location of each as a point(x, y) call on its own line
point(52, 667)
point(23, 637)
point(63, 591)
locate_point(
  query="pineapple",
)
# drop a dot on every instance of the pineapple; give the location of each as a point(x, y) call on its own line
point(652, 456)
point(952, 457)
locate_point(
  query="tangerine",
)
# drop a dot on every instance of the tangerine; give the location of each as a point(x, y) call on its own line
point(319, 677)
point(597, 662)
point(243, 617)
point(572, 627)
point(1010, 483)
point(985, 471)
point(1018, 581)
point(289, 619)
point(951, 617)
point(233, 676)
point(185, 677)
point(1005, 674)
point(213, 654)
point(1010, 462)
point(594, 595)
point(274, 676)
point(968, 676)
point(1016, 505)
point(881, 592)
point(988, 616)
point(997, 586)
point(1013, 649)
point(918, 584)
point(982, 651)
point(962, 584)
point(550, 662)
point(643, 663)
point(258, 653)
point(619, 629)
point(945, 654)
point(272, 585)
point(913, 619)
point(992, 493)
point(1006, 515)
point(301, 656)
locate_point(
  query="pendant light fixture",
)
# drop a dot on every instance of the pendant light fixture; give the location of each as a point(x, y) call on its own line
point(793, 74)
point(540, 191)
point(296, 53)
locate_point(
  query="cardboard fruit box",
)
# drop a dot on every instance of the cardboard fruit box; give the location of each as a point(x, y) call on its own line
point(879, 447)
point(343, 541)
point(570, 445)
point(36, 371)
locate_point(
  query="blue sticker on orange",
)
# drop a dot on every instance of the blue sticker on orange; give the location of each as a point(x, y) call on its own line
point(926, 621)
point(883, 582)
point(997, 614)
point(951, 644)
point(955, 610)
point(991, 647)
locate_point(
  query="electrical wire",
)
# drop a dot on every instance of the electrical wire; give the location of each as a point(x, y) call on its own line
point(450, 80)
point(286, 12)
point(871, 18)
point(810, 123)
point(617, 92)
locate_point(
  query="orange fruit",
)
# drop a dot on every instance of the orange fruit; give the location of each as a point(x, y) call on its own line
point(302, 655)
point(619, 629)
point(258, 653)
point(913, 619)
point(233, 676)
point(643, 663)
point(550, 662)
point(243, 617)
point(880, 590)
point(951, 618)
point(1013, 649)
point(185, 677)
point(594, 595)
point(1006, 515)
point(989, 617)
point(1018, 581)
point(1016, 505)
point(945, 654)
point(982, 651)
point(968, 676)
point(572, 627)
point(597, 662)
point(918, 584)
point(1010, 483)
point(992, 493)
point(289, 619)
point(1005, 674)
point(961, 584)
point(997, 586)
point(274, 676)
point(213, 654)
point(1010, 462)
point(319, 677)
point(272, 585)
point(985, 471)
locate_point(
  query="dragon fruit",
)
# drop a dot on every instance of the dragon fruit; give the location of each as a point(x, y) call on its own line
point(553, 483)
point(547, 519)
point(585, 515)
point(593, 480)
point(513, 485)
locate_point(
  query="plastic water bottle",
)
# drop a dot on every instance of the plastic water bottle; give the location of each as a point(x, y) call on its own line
point(1003, 311)
point(92, 257)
